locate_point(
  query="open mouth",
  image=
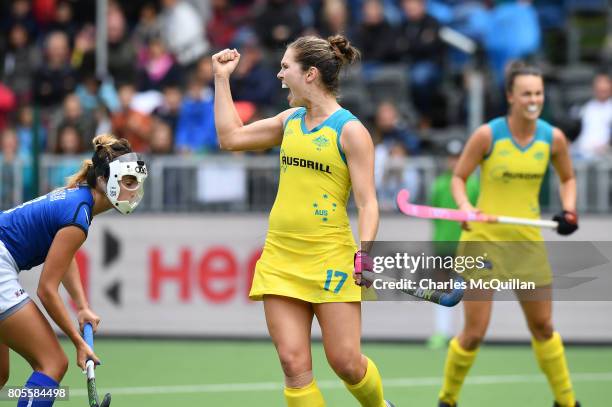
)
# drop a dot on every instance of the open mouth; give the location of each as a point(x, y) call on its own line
point(533, 108)
point(289, 94)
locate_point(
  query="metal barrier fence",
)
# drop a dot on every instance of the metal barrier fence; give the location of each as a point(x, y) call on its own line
point(246, 183)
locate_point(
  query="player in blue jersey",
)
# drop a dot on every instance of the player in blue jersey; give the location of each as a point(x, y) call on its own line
point(50, 229)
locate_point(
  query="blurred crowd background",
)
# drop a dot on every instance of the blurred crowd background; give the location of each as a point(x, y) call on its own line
point(414, 88)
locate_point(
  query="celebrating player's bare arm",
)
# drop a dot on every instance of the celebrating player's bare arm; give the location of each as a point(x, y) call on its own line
point(232, 133)
point(359, 149)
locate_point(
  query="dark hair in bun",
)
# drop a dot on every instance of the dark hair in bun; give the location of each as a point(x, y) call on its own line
point(328, 56)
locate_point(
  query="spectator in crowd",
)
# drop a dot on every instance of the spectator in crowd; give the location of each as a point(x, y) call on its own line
point(70, 145)
point(225, 23)
point(159, 68)
point(83, 57)
point(392, 173)
point(596, 121)
point(278, 24)
point(393, 145)
point(170, 108)
point(43, 71)
point(375, 37)
point(148, 27)
point(195, 131)
point(20, 13)
point(70, 141)
point(25, 133)
point(162, 142)
point(104, 123)
point(20, 62)
point(9, 145)
point(73, 115)
point(334, 19)
point(253, 81)
point(131, 124)
point(183, 31)
point(419, 43)
point(8, 102)
point(390, 129)
point(174, 187)
point(203, 8)
point(504, 42)
point(204, 72)
point(94, 91)
point(9, 156)
point(64, 21)
point(121, 51)
point(55, 78)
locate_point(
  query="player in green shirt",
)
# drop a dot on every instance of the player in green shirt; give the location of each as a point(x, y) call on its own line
point(446, 233)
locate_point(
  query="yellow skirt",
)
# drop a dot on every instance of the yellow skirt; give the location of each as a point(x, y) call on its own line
point(315, 269)
point(506, 256)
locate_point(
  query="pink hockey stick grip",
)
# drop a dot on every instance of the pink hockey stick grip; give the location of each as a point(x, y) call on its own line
point(363, 262)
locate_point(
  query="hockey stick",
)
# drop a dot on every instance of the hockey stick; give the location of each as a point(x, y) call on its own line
point(92, 392)
point(447, 299)
point(430, 212)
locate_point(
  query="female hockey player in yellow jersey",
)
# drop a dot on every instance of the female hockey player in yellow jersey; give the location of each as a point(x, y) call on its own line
point(514, 153)
point(308, 258)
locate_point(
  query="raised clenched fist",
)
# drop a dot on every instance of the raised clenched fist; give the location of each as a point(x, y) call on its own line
point(224, 62)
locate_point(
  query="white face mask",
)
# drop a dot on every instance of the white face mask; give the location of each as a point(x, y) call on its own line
point(125, 185)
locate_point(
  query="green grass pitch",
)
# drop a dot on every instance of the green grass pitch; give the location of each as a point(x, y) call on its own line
point(156, 373)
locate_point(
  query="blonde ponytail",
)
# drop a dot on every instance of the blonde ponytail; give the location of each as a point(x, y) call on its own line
point(79, 177)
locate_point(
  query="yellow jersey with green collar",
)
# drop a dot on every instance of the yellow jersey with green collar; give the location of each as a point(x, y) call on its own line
point(314, 181)
point(309, 247)
point(510, 181)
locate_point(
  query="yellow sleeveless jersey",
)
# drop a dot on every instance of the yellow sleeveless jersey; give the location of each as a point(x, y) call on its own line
point(309, 248)
point(510, 181)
